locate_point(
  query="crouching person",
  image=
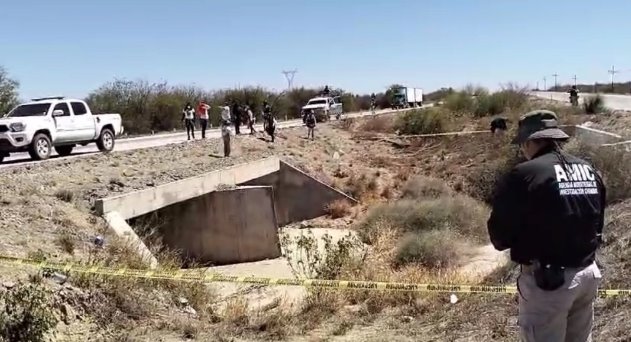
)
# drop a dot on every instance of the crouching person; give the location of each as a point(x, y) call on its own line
point(549, 212)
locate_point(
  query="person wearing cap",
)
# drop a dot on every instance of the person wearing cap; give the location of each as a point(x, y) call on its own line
point(549, 211)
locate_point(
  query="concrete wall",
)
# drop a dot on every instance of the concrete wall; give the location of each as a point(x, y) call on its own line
point(593, 136)
point(297, 195)
point(221, 227)
point(145, 201)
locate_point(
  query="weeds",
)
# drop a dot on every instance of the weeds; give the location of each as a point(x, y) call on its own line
point(594, 104)
point(26, 314)
point(65, 195)
point(324, 259)
point(66, 241)
point(423, 187)
point(433, 249)
point(459, 213)
point(423, 121)
point(338, 209)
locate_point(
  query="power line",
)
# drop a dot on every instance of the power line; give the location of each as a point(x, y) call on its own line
point(613, 71)
point(555, 81)
point(289, 76)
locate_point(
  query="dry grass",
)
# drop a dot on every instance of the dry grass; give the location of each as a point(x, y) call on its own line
point(438, 249)
point(459, 213)
point(65, 195)
point(423, 187)
point(338, 209)
point(378, 124)
point(66, 240)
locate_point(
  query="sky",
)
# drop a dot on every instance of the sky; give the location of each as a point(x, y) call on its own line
point(71, 47)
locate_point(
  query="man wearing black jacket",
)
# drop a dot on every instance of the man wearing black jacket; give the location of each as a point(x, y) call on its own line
point(549, 211)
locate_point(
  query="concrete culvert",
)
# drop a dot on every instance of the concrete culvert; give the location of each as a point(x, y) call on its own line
point(223, 217)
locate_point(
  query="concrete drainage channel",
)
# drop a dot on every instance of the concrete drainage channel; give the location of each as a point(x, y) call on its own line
point(223, 217)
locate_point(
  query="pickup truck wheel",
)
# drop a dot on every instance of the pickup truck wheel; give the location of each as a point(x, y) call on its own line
point(40, 147)
point(64, 150)
point(106, 141)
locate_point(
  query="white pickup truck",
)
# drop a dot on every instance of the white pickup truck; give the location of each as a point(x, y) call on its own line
point(324, 107)
point(38, 126)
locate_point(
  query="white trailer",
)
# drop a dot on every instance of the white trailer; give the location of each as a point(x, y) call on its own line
point(414, 96)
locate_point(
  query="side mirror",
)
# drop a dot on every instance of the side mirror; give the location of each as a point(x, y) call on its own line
point(58, 112)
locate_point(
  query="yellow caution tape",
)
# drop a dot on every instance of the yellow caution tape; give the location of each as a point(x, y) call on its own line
point(202, 276)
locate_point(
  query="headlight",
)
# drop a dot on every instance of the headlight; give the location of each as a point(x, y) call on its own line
point(17, 127)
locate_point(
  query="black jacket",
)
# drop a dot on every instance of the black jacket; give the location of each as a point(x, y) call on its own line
point(551, 209)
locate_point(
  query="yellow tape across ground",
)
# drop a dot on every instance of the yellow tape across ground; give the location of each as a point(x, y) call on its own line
point(198, 276)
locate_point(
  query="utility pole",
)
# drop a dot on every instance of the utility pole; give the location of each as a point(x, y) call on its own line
point(574, 78)
point(556, 87)
point(537, 88)
point(613, 71)
point(289, 76)
point(545, 88)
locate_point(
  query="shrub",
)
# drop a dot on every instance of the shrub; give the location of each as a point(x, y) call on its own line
point(65, 195)
point(483, 180)
point(613, 163)
point(338, 208)
point(459, 213)
point(423, 121)
point(459, 102)
point(423, 187)
point(594, 104)
point(510, 97)
point(26, 314)
point(433, 249)
point(380, 124)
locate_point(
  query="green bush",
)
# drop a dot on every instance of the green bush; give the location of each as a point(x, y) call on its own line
point(433, 249)
point(423, 187)
point(594, 104)
point(26, 314)
point(422, 121)
point(460, 102)
point(8, 92)
point(508, 98)
point(459, 213)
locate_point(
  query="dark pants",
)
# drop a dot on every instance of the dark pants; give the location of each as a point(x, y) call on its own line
point(226, 145)
point(237, 125)
point(204, 124)
point(190, 128)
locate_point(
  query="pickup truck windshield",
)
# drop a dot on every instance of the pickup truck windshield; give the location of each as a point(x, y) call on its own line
point(316, 102)
point(40, 109)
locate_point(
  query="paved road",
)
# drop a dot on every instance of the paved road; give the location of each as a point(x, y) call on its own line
point(161, 140)
point(618, 102)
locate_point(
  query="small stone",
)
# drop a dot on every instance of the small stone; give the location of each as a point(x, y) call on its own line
point(407, 319)
point(59, 278)
point(8, 285)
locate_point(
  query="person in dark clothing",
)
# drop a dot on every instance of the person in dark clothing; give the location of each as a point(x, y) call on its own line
point(269, 122)
point(549, 211)
point(188, 117)
point(310, 121)
point(326, 91)
point(573, 95)
point(498, 125)
point(236, 112)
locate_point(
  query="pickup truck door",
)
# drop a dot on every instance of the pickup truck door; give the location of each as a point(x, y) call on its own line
point(83, 121)
point(336, 106)
point(64, 124)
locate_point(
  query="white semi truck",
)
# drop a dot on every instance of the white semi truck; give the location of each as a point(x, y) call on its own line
point(407, 97)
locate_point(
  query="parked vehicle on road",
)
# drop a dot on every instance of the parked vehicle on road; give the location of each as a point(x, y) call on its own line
point(406, 97)
point(39, 126)
point(324, 107)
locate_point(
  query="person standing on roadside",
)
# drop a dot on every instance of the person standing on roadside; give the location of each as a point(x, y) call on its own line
point(269, 121)
point(250, 114)
point(310, 121)
point(202, 112)
point(188, 117)
point(225, 136)
point(236, 112)
point(549, 211)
